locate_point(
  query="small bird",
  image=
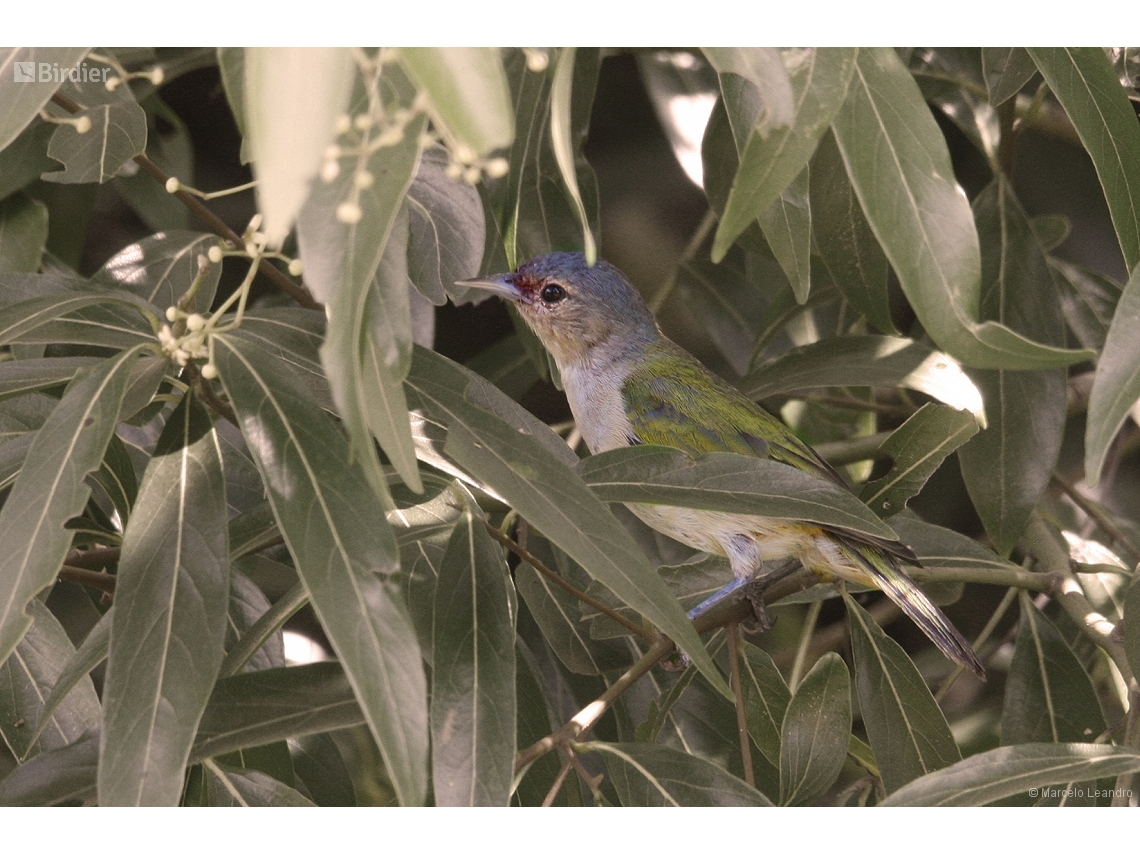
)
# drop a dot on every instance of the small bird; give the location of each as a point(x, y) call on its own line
point(627, 384)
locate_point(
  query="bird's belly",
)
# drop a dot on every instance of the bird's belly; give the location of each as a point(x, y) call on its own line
point(747, 541)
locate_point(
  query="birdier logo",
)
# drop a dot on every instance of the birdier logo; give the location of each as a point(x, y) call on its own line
point(52, 72)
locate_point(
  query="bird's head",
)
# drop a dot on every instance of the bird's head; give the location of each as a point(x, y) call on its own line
point(574, 308)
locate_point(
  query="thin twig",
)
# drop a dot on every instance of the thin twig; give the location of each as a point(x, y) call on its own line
point(733, 632)
point(93, 559)
point(104, 582)
point(1094, 510)
point(559, 779)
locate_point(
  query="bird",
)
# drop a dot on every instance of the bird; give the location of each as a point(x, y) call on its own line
point(628, 384)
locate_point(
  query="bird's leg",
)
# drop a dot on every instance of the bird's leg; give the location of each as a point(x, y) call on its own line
point(756, 587)
point(731, 588)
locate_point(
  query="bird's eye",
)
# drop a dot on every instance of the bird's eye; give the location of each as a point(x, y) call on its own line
point(553, 293)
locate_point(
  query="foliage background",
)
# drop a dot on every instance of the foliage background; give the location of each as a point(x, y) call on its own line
point(447, 657)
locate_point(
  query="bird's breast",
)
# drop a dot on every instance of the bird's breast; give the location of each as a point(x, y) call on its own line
point(595, 399)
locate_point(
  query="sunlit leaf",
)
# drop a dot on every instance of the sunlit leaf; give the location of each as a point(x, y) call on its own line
point(161, 268)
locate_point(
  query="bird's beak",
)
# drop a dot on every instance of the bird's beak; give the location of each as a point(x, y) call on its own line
point(502, 285)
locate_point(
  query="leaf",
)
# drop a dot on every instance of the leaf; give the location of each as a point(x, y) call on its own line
point(850, 252)
point(25, 680)
point(468, 93)
point(732, 483)
point(50, 490)
point(765, 69)
point(18, 377)
point(1131, 626)
point(26, 158)
point(65, 774)
point(513, 454)
point(1087, 87)
point(900, 169)
point(561, 139)
point(31, 320)
point(917, 448)
point(473, 705)
point(291, 98)
point(906, 728)
point(356, 270)
point(23, 233)
point(1014, 770)
point(815, 732)
point(23, 98)
point(867, 360)
point(250, 788)
point(766, 698)
point(344, 553)
point(1088, 300)
point(1006, 70)
point(117, 134)
point(1116, 386)
point(941, 548)
point(160, 269)
point(780, 146)
point(786, 225)
point(248, 604)
point(321, 770)
point(658, 776)
point(1048, 695)
point(446, 229)
point(171, 601)
point(293, 335)
point(231, 68)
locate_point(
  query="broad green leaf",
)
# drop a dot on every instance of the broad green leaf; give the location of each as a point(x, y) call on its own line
point(293, 335)
point(28, 375)
point(169, 626)
point(845, 241)
point(247, 605)
point(536, 719)
point(446, 228)
point(732, 483)
point(1015, 770)
point(916, 450)
point(292, 97)
point(520, 459)
point(473, 704)
point(1116, 386)
point(26, 159)
point(897, 160)
point(250, 788)
point(26, 678)
point(815, 732)
point(25, 89)
point(1088, 300)
point(116, 476)
point(766, 698)
point(561, 138)
point(161, 268)
point(170, 148)
point(50, 490)
point(906, 728)
point(1087, 87)
point(508, 365)
point(321, 770)
point(356, 270)
point(117, 134)
point(786, 225)
point(343, 550)
point(23, 233)
point(868, 360)
point(942, 548)
point(32, 320)
point(1048, 695)
point(766, 70)
point(1131, 627)
point(467, 92)
point(659, 776)
point(62, 775)
point(253, 709)
point(1006, 70)
point(780, 146)
point(231, 68)
point(74, 673)
point(1008, 465)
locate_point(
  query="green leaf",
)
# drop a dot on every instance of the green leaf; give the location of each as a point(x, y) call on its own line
point(231, 68)
point(514, 455)
point(116, 477)
point(815, 732)
point(1014, 770)
point(473, 705)
point(1006, 70)
point(786, 225)
point(26, 159)
point(1131, 626)
point(733, 483)
point(917, 449)
point(23, 233)
point(117, 134)
point(292, 97)
point(868, 360)
point(467, 92)
point(897, 160)
point(65, 774)
point(321, 770)
point(1088, 300)
point(944, 549)
point(357, 271)
point(906, 728)
point(25, 680)
point(1116, 386)
point(293, 335)
point(171, 601)
point(247, 605)
point(446, 228)
point(170, 148)
point(250, 788)
point(23, 98)
point(565, 147)
point(29, 375)
point(765, 69)
point(50, 490)
point(1087, 87)
point(766, 698)
point(160, 269)
point(1008, 465)
point(32, 320)
point(1048, 695)
point(343, 550)
point(780, 146)
point(659, 776)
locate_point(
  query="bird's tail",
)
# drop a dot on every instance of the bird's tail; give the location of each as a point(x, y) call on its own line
point(889, 577)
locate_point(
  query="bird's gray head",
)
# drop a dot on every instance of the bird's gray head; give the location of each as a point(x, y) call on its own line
point(573, 307)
